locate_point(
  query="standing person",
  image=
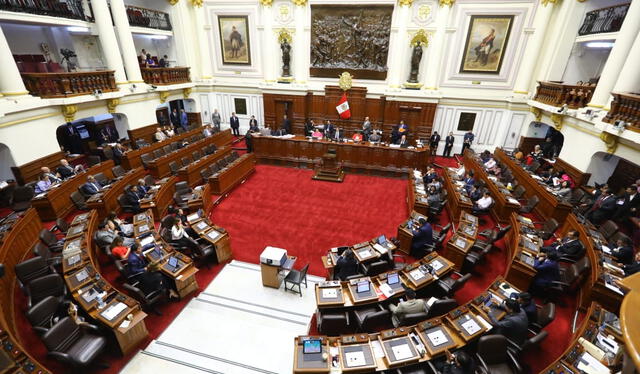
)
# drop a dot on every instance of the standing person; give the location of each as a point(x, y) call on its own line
point(286, 124)
point(421, 238)
point(328, 130)
point(236, 42)
point(309, 126)
point(184, 120)
point(253, 124)
point(175, 119)
point(448, 144)
point(216, 119)
point(366, 129)
point(467, 140)
point(234, 122)
point(434, 140)
point(143, 56)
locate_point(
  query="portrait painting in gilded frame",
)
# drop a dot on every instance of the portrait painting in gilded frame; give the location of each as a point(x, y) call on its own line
point(234, 40)
point(486, 43)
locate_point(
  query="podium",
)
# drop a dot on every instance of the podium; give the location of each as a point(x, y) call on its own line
point(330, 169)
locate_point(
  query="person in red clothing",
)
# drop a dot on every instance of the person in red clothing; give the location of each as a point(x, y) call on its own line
point(119, 249)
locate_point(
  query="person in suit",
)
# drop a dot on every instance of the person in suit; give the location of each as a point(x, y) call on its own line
point(286, 124)
point(547, 272)
point(633, 267)
point(329, 130)
point(216, 119)
point(548, 149)
point(346, 265)
point(448, 144)
point(603, 208)
point(623, 251)
point(529, 306)
point(54, 178)
point(404, 142)
point(409, 306)
point(105, 236)
point(65, 170)
point(466, 141)
point(434, 140)
point(433, 197)
point(570, 245)
point(175, 119)
point(395, 135)
point(309, 126)
point(366, 129)
point(92, 186)
point(206, 131)
point(253, 124)
point(184, 120)
point(150, 281)
point(514, 325)
point(108, 135)
point(132, 198)
point(248, 140)
point(403, 129)
point(118, 151)
point(142, 189)
point(422, 237)
point(430, 175)
point(234, 122)
point(475, 194)
point(627, 204)
point(375, 137)
point(458, 363)
point(69, 139)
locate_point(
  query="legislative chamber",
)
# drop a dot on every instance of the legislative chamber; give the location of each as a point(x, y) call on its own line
point(311, 186)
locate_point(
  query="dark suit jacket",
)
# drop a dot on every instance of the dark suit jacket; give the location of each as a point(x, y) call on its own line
point(513, 326)
point(531, 311)
point(132, 199)
point(136, 263)
point(468, 137)
point(547, 271)
point(329, 130)
point(623, 254)
point(234, 122)
point(175, 119)
point(90, 189)
point(253, 125)
point(404, 144)
point(65, 172)
point(435, 139)
point(286, 125)
point(448, 141)
point(346, 267)
point(631, 268)
point(421, 237)
point(571, 248)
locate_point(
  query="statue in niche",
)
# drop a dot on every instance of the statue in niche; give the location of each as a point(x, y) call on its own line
point(286, 58)
point(416, 57)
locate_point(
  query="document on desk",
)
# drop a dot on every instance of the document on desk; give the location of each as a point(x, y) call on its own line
point(386, 290)
point(382, 250)
point(365, 253)
point(355, 359)
point(606, 249)
point(436, 265)
point(148, 240)
point(112, 311)
point(213, 234)
point(201, 225)
point(437, 338)
point(401, 352)
point(471, 326)
point(590, 365)
point(416, 274)
point(486, 324)
point(378, 352)
point(329, 293)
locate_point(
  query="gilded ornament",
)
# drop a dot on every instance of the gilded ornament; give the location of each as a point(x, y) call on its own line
point(266, 2)
point(557, 120)
point(284, 34)
point(537, 113)
point(164, 95)
point(610, 141)
point(300, 2)
point(186, 92)
point(112, 104)
point(197, 3)
point(284, 10)
point(173, 2)
point(423, 11)
point(69, 112)
point(420, 38)
point(345, 81)
point(446, 2)
point(545, 2)
point(405, 2)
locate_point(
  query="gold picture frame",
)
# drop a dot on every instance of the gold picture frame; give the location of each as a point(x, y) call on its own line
point(234, 40)
point(486, 43)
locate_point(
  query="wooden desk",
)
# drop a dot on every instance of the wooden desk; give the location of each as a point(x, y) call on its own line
point(233, 175)
point(549, 206)
point(520, 271)
point(57, 202)
point(191, 172)
point(416, 194)
point(405, 234)
point(159, 199)
point(201, 198)
point(271, 274)
point(457, 202)
point(217, 236)
point(107, 200)
point(457, 248)
point(306, 365)
point(363, 157)
point(132, 159)
point(30, 171)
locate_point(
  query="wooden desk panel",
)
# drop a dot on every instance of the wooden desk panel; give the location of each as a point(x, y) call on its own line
point(191, 172)
point(57, 202)
point(159, 200)
point(233, 175)
point(549, 206)
point(457, 203)
point(132, 160)
point(107, 201)
point(30, 171)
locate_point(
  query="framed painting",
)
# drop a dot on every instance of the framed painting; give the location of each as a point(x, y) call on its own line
point(486, 43)
point(234, 40)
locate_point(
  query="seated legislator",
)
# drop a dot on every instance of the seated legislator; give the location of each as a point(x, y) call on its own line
point(469, 181)
point(490, 164)
point(159, 136)
point(633, 267)
point(433, 196)
point(514, 325)
point(118, 151)
point(142, 189)
point(529, 306)
point(375, 137)
point(421, 237)
point(178, 234)
point(409, 306)
point(54, 178)
point(206, 131)
point(563, 191)
point(404, 142)
point(317, 134)
point(517, 154)
point(178, 213)
point(168, 130)
point(117, 225)
point(67, 171)
point(346, 266)
point(475, 194)
point(536, 154)
point(457, 363)
point(92, 186)
point(132, 198)
point(309, 127)
point(623, 251)
point(483, 204)
point(43, 185)
point(547, 272)
point(395, 135)
point(150, 281)
point(118, 248)
point(570, 245)
point(627, 204)
point(437, 184)
point(430, 175)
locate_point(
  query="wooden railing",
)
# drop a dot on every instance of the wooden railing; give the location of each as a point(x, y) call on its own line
point(66, 9)
point(53, 85)
point(625, 107)
point(165, 76)
point(559, 94)
point(143, 17)
point(607, 19)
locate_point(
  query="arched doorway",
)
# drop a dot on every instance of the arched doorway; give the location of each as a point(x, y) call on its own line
point(617, 172)
point(537, 134)
point(166, 112)
point(87, 135)
point(7, 162)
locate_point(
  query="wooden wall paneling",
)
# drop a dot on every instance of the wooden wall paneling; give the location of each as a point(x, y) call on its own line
point(625, 174)
point(578, 176)
point(527, 144)
point(144, 132)
point(194, 118)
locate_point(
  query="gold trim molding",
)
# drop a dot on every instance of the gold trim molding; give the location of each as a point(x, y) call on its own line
point(446, 2)
point(557, 120)
point(266, 2)
point(173, 2)
point(164, 95)
point(537, 113)
point(284, 34)
point(405, 2)
point(186, 92)
point(197, 3)
point(300, 2)
point(112, 104)
point(546, 2)
point(69, 112)
point(610, 141)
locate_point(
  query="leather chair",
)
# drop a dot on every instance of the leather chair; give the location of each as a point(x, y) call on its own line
point(441, 307)
point(21, 199)
point(158, 153)
point(608, 229)
point(146, 159)
point(79, 201)
point(174, 146)
point(494, 356)
point(185, 161)
point(149, 180)
point(545, 315)
point(182, 188)
point(437, 243)
point(208, 150)
point(332, 323)
point(533, 166)
point(124, 204)
point(140, 143)
point(101, 178)
point(215, 168)
point(548, 229)
point(442, 232)
point(44, 286)
point(519, 191)
point(374, 268)
point(435, 210)
point(196, 155)
point(620, 235)
point(118, 171)
point(412, 369)
point(93, 160)
point(372, 318)
point(77, 346)
point(295, 278)
point(52, 259)
point(533, 341)
point(51, 240)
point(167, 149)
point(234, 155)
point(570, 279)
point(174, 167)
point(180, 201)
point(450, 285)
point(576, 196)
point(473, 258)
point(205, 174)
point(531, 203)
point(147, 301)
point(46, 313)
point(61, 225)
point(31, 269)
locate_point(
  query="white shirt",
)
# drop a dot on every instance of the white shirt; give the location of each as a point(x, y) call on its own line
point(177, 232)
point(489, 164)
point(160, 136)
point(170, 133)
point(485, 202)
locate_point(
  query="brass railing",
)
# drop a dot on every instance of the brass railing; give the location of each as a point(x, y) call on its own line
point(52, 85)
point(625, 107)
point(143, 17)
point(607, 19)
point(559, 94)
point(164, 76)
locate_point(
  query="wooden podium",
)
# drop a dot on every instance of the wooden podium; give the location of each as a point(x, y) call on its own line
point(330, 169)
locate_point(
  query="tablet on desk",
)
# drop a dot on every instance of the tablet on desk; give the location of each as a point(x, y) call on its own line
point(310, 346)
point(173, 262)
point(393, 278)
point(363, 286)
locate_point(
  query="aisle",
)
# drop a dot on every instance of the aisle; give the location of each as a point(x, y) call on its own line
point(234, 326)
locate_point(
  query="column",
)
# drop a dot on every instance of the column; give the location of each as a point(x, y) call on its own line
point(437, 48)
point(532, 52)
point(108, 40)
point(267, 45)
point(203, 32)
point(129, 53)
point(629, 78)
point(617, 57)
point(299, 51)
point(10, 80)
point(397, 56)
point(183, 33)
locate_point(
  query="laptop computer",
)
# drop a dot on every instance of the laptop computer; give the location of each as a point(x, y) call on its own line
point(173, 263)
point(312, 349)
point(382, 240)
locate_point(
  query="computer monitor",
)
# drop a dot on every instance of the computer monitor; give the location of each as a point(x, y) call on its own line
point(393, 278)
point(173, 262)
point(312, 346)
point(363, 286)
point(157, 251)
point(382, 239)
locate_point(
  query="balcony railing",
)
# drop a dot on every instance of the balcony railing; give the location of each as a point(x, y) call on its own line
point(143, 17)
point(604, 20)
point(165, 76)
point(559, 94)
point(52, 85)
point(625, 107)
point(73, 9)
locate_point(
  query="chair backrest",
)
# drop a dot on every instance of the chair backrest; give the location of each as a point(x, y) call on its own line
point(493, 349)
point(205, 173)
point(47, 237)
point(140, 143)
point(503, 232)
point(445, 229)
point(173, 166)
point(31, 269)
point(166, 222)
point(174, 146)
point(62, 335)
point(108, 153)
point(550, 225)
point(48, 285)
point(533, 201)
point(100, 177)
point(333, 323)
point(22, 193)
point(62, 225)
point(214, 168)
point(123, 201)
point(158, 153)
point(196, 155)
point(41, 314)
point(93, 160)
point(519, 191)
point(442, 307)
point(167, 149)
point(118, 171)
point(460, 282)
point(78, 199)
point(546, 314)
point(182, 187)
point(149, 180)
point(185, 161)
point(608, 229)
point(620, 235)
point(165, 234)
point(303, 272)
point(577, 195)
point(377, 267)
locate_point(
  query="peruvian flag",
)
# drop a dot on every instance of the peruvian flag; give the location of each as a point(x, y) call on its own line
point(343, 107)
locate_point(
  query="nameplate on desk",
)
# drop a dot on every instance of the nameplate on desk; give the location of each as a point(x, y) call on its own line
point(329, 293)
point(437, 338)
point(148, 240)
point(192, 217)
point(470, 325)
point(113, 311)
point(416, 274)
point(436, 265)
point(355, 359)
point(365, 253)
point(402, 352)
point(460, 243)
point(143, 228)
point(201, 225)
point(213, 234)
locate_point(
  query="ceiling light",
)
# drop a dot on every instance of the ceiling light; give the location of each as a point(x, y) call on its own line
point(77, 29)
point(159, 37)
point(600, 45)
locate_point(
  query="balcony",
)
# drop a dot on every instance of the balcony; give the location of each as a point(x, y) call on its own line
point(166, 76)
point(149, 18)
point(58, 85)
point(558, 94)
point(625, 107)
point(604, 20)
point(73, 9)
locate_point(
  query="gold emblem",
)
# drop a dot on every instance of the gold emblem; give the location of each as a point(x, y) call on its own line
point(300, 2)
point(610, 141)
point(405, 2)
point(423, 11)
point(557, 120)
point(537, 113)
point(186, 92)
point(112, 104)
point(69, 112)
point(284, 34)
point(345, 81)
point(266, 2)
point(197, 3)
point(447, 2)
point(164, 95)
point(420, 38)
point(173, 2)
